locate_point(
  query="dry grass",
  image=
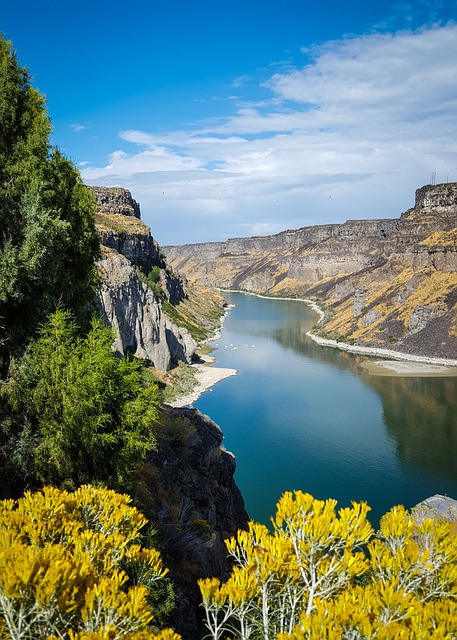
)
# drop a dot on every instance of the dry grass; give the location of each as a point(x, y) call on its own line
point(122, 224)
point(441, 239)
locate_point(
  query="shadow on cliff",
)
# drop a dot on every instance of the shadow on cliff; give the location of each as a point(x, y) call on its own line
point(190, 493)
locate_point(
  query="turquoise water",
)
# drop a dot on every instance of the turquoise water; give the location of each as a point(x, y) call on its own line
point(302, 416)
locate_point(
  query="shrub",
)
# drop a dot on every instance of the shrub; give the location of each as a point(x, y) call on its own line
point(322, 574)
point(92, 413)
point(72, 566)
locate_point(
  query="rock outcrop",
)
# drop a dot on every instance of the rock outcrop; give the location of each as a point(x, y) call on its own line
point(196, 504)
point(134, 311)
point(115, 200)
point(126, 301)
point(120, 227)
point(385, 283)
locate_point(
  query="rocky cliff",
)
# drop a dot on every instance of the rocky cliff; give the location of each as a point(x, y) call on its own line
point(136, 314)
point(192, 497)
point(385, 283)
point(128, 301)
point(186, 486)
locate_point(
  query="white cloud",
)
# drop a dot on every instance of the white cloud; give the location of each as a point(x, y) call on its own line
point(351, 134)
point(78, 127)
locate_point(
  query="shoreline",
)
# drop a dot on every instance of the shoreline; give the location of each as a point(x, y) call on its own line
point(382, 353)
point(206, 375)
point(344, 346)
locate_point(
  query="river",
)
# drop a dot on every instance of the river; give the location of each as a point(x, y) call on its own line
point(302, 416)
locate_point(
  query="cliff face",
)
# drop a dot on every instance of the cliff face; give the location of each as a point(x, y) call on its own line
point(135, 313)
point(126, 301)
point(384, 282)
point(195, 504)
point(121, 229)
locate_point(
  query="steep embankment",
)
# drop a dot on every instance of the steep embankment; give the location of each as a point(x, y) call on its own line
point(187, 484)
point(155, 316)
point(382, 283)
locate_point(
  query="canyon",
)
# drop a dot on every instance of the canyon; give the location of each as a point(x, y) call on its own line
point(389, 283)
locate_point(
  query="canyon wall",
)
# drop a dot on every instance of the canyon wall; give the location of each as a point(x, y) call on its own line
point(126, 301)
point(382, 282)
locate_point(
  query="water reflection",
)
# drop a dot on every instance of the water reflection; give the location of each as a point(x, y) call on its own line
point(303, 416)
point(420, 414)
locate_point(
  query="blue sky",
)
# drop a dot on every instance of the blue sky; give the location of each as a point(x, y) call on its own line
point(241, 118)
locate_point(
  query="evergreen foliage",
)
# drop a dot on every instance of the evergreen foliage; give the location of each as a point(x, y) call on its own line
point(80, 413)
point(48, 241)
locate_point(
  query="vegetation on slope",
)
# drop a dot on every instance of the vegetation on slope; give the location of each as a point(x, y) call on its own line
point(200, 312)
point(120, 224)
point(48, 241)
point(75, 413)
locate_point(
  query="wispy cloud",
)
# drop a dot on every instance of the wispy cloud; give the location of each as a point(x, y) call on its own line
point(78, 127)
point(350, 134)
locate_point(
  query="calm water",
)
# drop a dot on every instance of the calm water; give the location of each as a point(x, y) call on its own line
point(301, 416)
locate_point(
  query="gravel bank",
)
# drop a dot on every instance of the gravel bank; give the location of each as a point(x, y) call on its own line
point(206, 377)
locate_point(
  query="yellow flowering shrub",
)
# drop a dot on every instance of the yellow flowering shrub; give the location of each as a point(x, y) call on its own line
point(72, 566)
point(322, 574)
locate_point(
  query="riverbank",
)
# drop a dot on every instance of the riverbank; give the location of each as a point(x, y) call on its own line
point(206, 377)
point(402, 369)
point(416, 363)
point(384, 353)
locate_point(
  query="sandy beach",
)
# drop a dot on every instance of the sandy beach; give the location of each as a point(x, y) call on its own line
point(415, 365)
point(206, 376)
point(407, 369)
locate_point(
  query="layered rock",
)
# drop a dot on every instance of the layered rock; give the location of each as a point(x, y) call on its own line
point(134, 311)
point(126, 302)
point(120, 227)
point(115, 200)
point(388, 281)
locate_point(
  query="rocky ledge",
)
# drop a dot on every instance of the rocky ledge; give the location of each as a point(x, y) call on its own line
point(190, 488)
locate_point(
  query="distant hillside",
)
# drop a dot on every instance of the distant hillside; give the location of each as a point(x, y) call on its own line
point(385, 283)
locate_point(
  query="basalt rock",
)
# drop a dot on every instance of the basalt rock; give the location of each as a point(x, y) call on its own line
point(389, 282)
point(134, 311)
point(115, 200)
point(126, 302)
point(196, 504)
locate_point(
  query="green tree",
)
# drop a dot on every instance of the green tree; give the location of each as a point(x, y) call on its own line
point(48, 241)
point(84, 414)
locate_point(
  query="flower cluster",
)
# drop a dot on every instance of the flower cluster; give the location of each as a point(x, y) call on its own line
point(71, 565)
point(322, 574)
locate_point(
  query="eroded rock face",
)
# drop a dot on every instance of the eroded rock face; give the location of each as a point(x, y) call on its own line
point(135, 313)
point(422, 315)
point(196, 505)
point(439, 197)
point(387, 281)
point(116, 200)
point(139, 248)
point(126, 303)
